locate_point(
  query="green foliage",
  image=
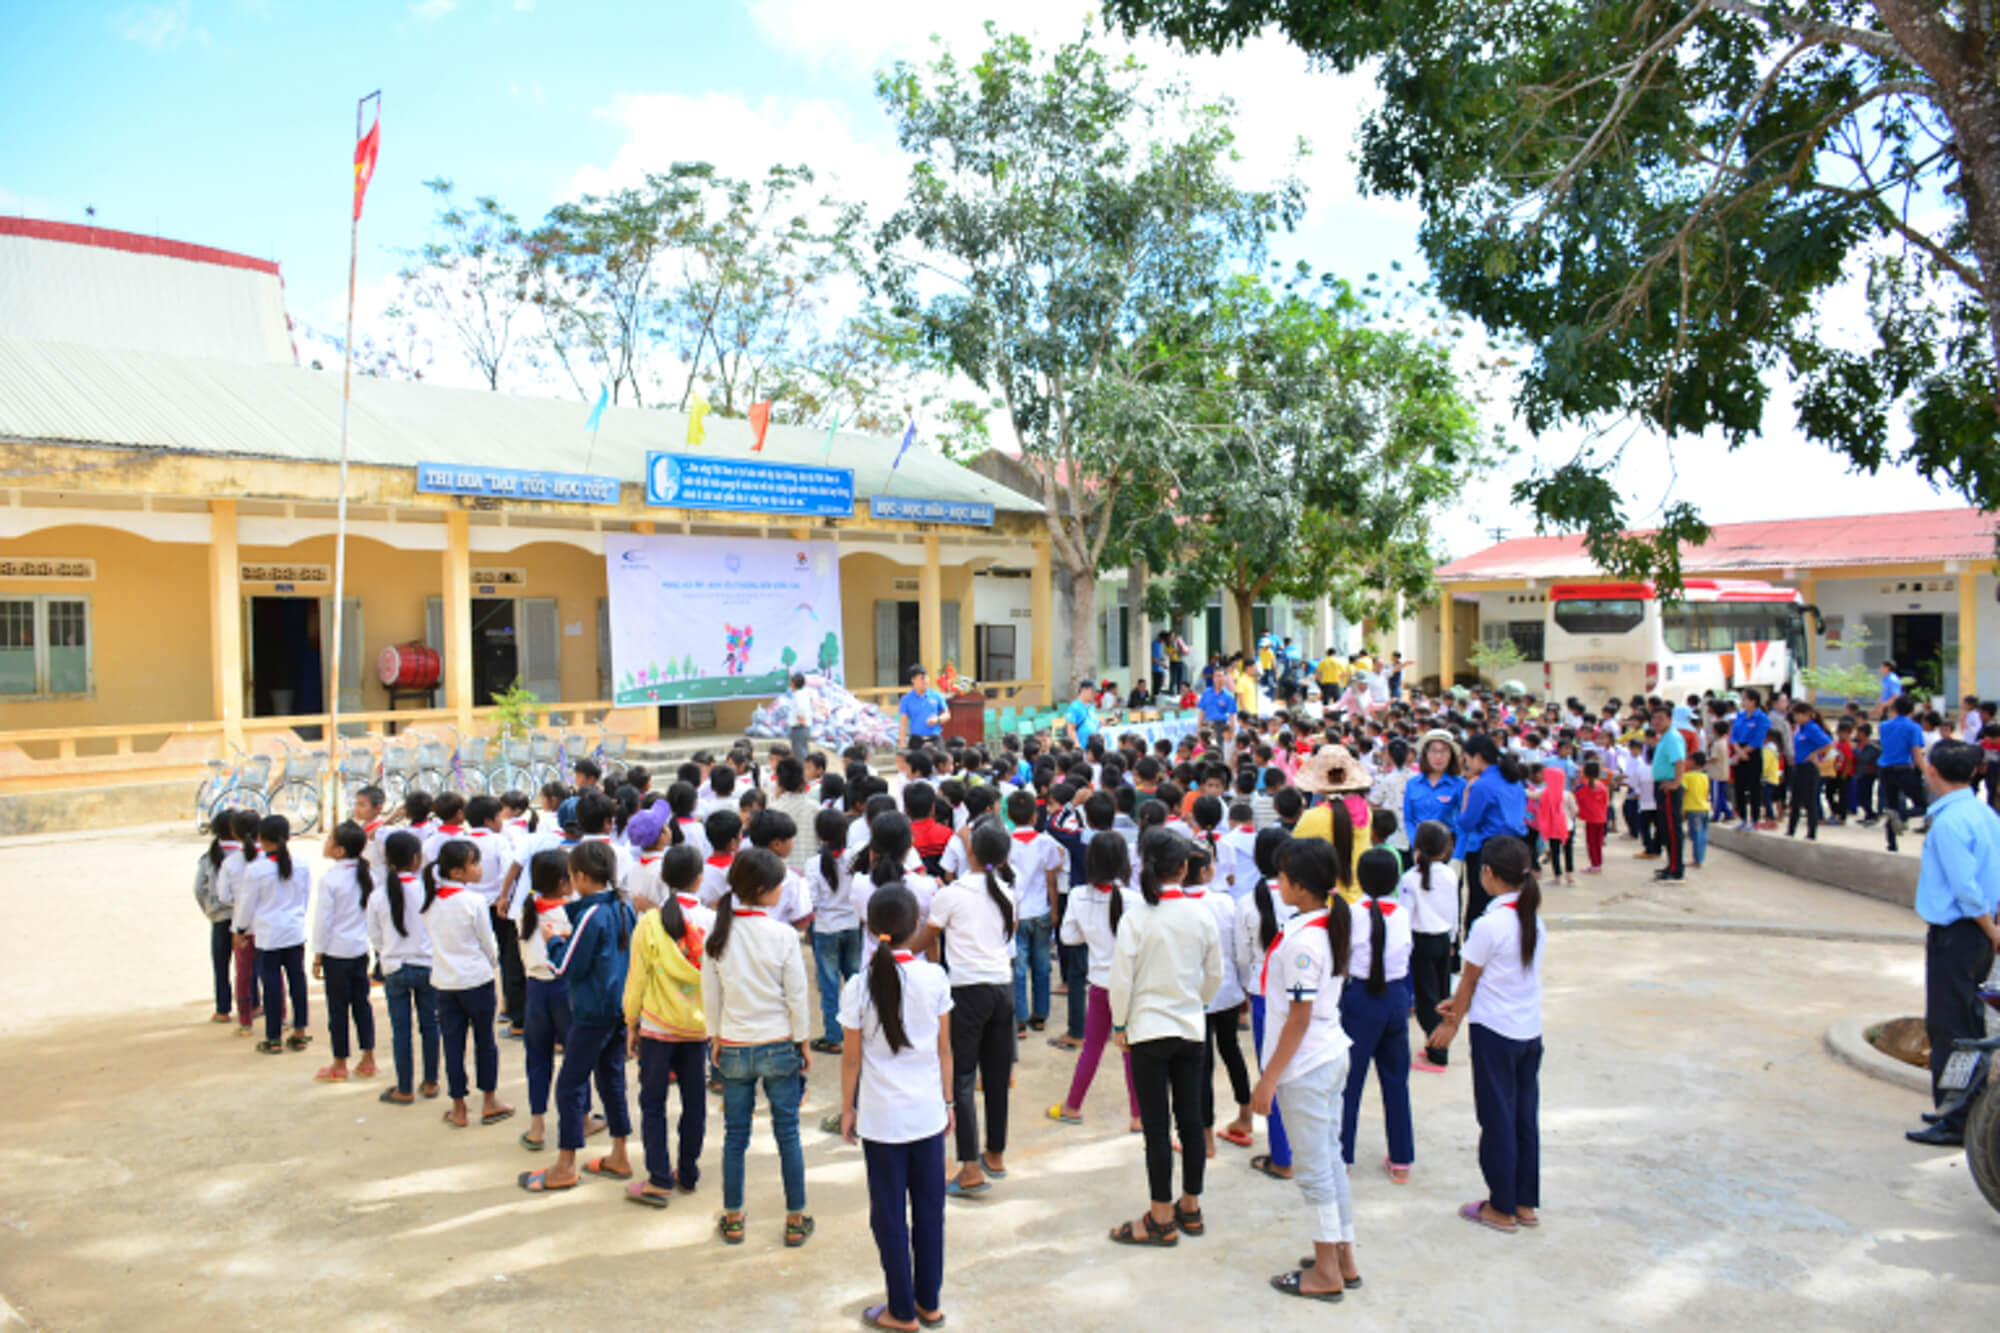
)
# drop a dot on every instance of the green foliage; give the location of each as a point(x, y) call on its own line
point(1857, 681)
point(513, 713)
point(1660, 198)
point(1490, 659)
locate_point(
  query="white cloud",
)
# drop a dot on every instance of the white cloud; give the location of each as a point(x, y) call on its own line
point(159, 27)
point(429, 11)
point(523, 6)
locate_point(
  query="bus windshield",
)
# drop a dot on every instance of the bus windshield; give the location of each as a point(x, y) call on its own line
point(1717, 627)
point(1599, 615)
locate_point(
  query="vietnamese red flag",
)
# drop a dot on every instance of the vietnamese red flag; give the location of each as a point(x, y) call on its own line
point(364, 163)
point(760, 421)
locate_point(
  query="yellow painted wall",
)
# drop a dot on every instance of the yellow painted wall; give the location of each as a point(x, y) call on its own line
point(149, 613)
point(392, 585)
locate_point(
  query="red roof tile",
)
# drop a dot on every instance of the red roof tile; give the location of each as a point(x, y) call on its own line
point(1800, 543)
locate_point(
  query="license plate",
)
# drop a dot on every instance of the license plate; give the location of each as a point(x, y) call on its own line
point(1958, 1070)
point(1594, 668)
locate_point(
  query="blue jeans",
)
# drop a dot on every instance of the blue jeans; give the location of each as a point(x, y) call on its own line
point(1697, 824)
point(836, 957)
point(1075, 960)
point(776, 1065)
point(1032, 939)
point(409, 988)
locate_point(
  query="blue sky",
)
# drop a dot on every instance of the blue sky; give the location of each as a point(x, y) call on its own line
point(230, 123)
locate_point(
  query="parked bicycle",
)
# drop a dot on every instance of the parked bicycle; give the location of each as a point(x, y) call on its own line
point(232, 786)
point(545, 761)
point(514, 768)
point(297, 794)
point(399, 770)
point(359, 767)
point(610, 754)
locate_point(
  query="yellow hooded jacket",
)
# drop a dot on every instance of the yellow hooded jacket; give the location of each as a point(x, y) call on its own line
point(663, 983)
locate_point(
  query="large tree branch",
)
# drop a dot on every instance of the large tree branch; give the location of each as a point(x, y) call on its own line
point(1880, 45)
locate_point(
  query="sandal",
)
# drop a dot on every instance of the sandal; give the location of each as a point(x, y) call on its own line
point(1242, 1138)
point(797, 1233)
point(1399, 1172)
point(1312, 1260)
point(537, 1182)
point(1065, 1044)
point(1476, 1212)
point(396, 1097)
point(1288, 1283)
point(825, 1047)
point(1161, 1234)
point(637, 1192)
point(330, 1075)
point(494, 1117)
point(731, 1229)
point(270, 1048)
point(299, 1041)
point(533, 1145)
point(597, 1167)
point(1057, 1113)
point(1190, 1223)
point(1262, 1162)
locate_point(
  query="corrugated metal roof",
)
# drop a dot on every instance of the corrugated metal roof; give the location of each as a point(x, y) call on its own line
point(63, 283)
point(1799, 543)
point(73, 394)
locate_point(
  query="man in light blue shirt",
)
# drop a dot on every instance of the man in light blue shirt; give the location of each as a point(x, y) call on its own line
point(1669, 763)
point(1958, 890)
point(1892, 685)
point(1081, 717)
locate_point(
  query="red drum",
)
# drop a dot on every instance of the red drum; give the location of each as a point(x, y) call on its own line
point(409, 666)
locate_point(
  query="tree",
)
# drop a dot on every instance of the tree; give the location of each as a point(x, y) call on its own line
point(468, 278)
point(1660, 196)
point(1058, 212)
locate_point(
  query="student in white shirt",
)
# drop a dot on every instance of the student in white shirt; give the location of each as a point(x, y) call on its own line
point(222, 848)
point(1167, 967)
point(1375, 1010)
point(683, 803)
point(1223, 1008)
point(1036, 860)
point(548, 1016)
point(1500, 995)
point(1260, 922)
point(836, 927)
point(484, 831)
point(975, 914)
point(724, 829)
point(236, 859)
point(1095, 909)
point(1305, 1058)
point(271, 898)
point(1429, 893)
point(465, 961)
point(897, 1089)
point(340, 951)
point(884, 858)
point(402, 947)
point(1236, 859)
point(753, 998)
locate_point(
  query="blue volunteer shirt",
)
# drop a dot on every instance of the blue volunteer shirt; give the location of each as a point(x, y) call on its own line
point(1960, 874)
point(1891, 687)
point(1750, 728)
point(1217, 705)
point(921, 708)
point(1493, 807)
point(1809, 740)
point(1901, 739)
point(1440, 800)
point(1084, 718)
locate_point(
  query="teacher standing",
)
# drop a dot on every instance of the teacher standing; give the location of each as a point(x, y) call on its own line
point(922, 710)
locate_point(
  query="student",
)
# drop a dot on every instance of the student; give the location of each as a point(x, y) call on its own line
point(1430, 892)
point(1260, 922)
point(1553, 811)
point(464, 964)
point(1375, 1010)
point(1092, 924)
point(1222, 1010)
point(1500, 995)
point(836, 927)
point(340, 951)
point(668, 1038)
point(1306, 1058)
point(1696, 811)
point(243, 946)
point(897, 1089)
point(402, 947)
point(975, 916)
point(1809, 744)
point(1167, 967)
point(548, 1015)
point(753, 999)
point(724, 831)
point(271, 910)
point(885, 856)
point(1036, 861)
point(1593, 811)
point(222, 850)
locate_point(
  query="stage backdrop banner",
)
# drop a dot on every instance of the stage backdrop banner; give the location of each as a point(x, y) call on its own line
point(700, 618)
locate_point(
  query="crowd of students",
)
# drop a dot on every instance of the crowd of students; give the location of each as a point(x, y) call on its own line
point(1297, 876)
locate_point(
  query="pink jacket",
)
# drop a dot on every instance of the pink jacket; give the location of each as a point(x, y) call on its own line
point(1551, 820)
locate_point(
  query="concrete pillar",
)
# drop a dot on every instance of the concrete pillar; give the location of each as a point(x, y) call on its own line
point(1968, 633)
point(457, 599)
point(1139, 647)
point(1447, 645)
point(930, 608)
point(225, 619)
point(967, 647)
point(1043, 622)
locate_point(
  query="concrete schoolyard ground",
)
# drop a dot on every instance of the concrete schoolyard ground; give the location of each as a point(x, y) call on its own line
point(1706, 1162)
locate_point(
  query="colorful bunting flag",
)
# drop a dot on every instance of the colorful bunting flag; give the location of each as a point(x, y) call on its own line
point(364, 163)
point(909, 438)
point(760, 422)
point(827, 452)
point(696, 434)
point(597, 413)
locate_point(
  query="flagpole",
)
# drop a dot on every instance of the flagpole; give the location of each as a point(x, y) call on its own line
point(340, 504)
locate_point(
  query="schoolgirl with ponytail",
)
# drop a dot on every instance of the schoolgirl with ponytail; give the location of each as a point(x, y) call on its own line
point(1306, 1059)
point(886, 858)
point(218, 904)
point(896, 1091)
point(1429, 893)
point(547, 1018)
point(1500, 996)
point(1260, 921)
point(229, 875)
point(465, 964)
point(836, 927)
point(1167, 967)
point(1375, 1014)
point(1095, 909)
point(271, 912)
point(975, 914)
point(667, 1036)
point(340, 951)
point(402, 945)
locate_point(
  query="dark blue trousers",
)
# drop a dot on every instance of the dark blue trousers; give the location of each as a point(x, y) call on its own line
point(547, 1022)
point(591, 1048)
point(906, 1213)
point(279, 970)
point(683, 1063)
point(222, 956)
point(347, 999)
point(1507, 1096)
point(460, 1012)
point(1378, 1030)
point(1075, 961)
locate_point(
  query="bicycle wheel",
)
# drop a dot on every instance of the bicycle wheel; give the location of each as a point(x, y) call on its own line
point(427, 780)
point(240, 798)
point(394, 786)
point(204, 799)
point(614, 772)
point(468, 782)
point(298, 802)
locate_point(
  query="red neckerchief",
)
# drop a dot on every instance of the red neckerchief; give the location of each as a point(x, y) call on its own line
point(902, 957)
point(545, 905)
point(370, 827)
point(230, 846)
point(1246, 828)
point(1166, 894)
point(1387, 909)
point(648, 858)
point(1104, 888)
point(451, 828)
point(687, 819)
point(522, 822)
point(409, 879)
point(720, 861)
point(1025, 835)
point(1264, 977)
point(687, 900)
point(751, 911)
point(1512, 907)
point(447, 890)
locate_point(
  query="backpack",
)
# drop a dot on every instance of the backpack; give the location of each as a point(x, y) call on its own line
point(204, 891)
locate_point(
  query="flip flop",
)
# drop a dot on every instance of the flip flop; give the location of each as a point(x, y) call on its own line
point(954, 1190)
point(731, 1229)
point(1262, 1162)
point(1399, 1172)
point(1058, 1114)
point(495, 1117)
point(330, 1075)
point(1472, 1212)
point(1520, 1221)
point(1242, 1138)
point(1062, 1045)
point(537, 1182)
point(597, 1167)
point(636, 1193)
point(221, 1018)
point(394, 1098)
point(992, 1172)
point(270, 1048)
point(533, 1145)
point(1310, 1261)
point(1288, 1283)
point(872, 1317)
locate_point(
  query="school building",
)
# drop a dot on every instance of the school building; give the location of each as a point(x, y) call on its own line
point(1921, 584)
point(167, 519)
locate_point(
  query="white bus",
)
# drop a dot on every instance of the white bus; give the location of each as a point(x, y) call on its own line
point(1616, 640)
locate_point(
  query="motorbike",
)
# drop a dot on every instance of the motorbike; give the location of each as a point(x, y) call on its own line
point(1968, 1079)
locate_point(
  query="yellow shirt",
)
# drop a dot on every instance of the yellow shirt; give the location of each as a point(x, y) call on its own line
point(1771, 763)
point(1246, 694)
point(1318, 823)
point(1332, 671)
point(1365, 663)
point(1266, 659)
point(1694, 792)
